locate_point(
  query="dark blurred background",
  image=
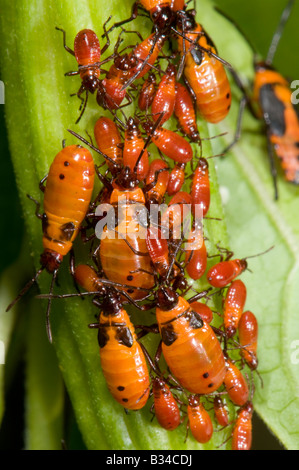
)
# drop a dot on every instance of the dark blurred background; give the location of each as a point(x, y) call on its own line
point(258, 19)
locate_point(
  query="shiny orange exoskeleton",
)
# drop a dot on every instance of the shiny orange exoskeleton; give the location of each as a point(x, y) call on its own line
point(235, 384)
point(223, 273)
point(271, 100)
point(233, 306)
point(199, 420)
point(122, 253)
point(189, 345)
point(164, 99)
point(248, 336)
point(67, 195)
point(156, 182)
point(204, 72)
point(177, 5)
point(147, 93)
point(220, 411)
point(109, 142)
point(273, 94)
point(122, 359)
point(133, 146)
point(200, 190)
point(242, 432)
point(170, 143)
point(176, 179)
point(146, 53)
point(88, 278)
point(178, 211)
point(110, 92)
point(185, 113)
point(158, 250)
point(165, 405)
point(203, 310)
point(196, 254)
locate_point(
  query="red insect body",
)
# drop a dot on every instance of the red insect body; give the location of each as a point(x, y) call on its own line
point(176, 179)
point(203, 310)
point(156, 181)
point(185, 113)
point(242, 432)
point(189, 345)
point(248, 335)
point(223, 273)
point(220, 410)
point(164, 99)
point(147, 93)
point(199, 420)
point(133, 146)
point(158, 250)
point(235, 384)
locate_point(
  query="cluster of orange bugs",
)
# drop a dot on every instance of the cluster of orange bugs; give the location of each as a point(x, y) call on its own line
point(208, 368)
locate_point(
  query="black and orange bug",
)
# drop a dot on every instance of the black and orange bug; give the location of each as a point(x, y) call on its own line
point(220, 411)
point(235, 384)
point(271, 100)
point(233, 306)
point(176, 179)
point(185, 113)
point(87, 51)
point(170, 143)
point(147, 93)
point(165, 405)
point(122, 359)
point(204, 71)
point(164, 100)
point(67, 195)
point(248, 336)
point(133, 146)
point(242, 431)
point(189, 345)
point(199, 420)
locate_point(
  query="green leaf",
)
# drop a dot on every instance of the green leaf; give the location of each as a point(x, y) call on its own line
point(38, 112)
point(256, 222)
